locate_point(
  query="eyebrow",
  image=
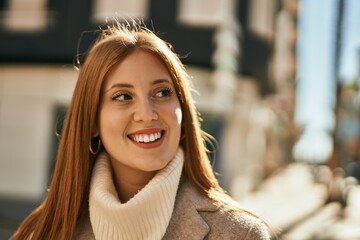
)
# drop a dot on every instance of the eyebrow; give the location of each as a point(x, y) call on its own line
point(160, 81)
point(127, 85)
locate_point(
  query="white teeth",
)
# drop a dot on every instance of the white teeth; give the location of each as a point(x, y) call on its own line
point(152, 137)
point(146, 137)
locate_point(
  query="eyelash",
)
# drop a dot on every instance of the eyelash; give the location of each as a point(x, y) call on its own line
point(117, 95)
point(169, 93)
point(168, 90)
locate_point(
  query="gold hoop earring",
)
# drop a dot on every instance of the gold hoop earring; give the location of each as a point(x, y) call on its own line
point(97, 148)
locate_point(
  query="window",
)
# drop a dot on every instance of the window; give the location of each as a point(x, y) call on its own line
point(107, 9)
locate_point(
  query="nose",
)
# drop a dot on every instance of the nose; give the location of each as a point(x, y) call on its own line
point(145, 111)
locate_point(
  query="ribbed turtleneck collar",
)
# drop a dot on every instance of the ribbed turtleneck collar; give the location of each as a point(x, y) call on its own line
point(146, 215)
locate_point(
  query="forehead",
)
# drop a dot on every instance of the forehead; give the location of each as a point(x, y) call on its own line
point(139, 65)
point(140, 56)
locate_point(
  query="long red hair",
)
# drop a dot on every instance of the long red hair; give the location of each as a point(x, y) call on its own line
point(67, 198)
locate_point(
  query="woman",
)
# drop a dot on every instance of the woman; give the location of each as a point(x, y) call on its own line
point(131, 162)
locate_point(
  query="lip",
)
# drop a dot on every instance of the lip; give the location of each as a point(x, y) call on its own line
point(154, 144)
point(147, 131)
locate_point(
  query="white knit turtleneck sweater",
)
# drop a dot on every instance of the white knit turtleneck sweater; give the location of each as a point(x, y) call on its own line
point(146, 215)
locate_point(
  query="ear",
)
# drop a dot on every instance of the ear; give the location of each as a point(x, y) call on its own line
point(95, 132)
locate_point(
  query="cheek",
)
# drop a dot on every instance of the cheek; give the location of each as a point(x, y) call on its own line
point(171, 115)
point(176, 119)
point(103, 120)
point(109, 121)
point(178, 114)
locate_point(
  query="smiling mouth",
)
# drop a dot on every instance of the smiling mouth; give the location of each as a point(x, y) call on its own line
point(147, 138)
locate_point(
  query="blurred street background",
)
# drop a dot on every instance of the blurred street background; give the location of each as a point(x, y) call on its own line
point(277, 84)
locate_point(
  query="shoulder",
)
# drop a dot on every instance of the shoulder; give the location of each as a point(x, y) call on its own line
point(234, 223)
point(221, 222)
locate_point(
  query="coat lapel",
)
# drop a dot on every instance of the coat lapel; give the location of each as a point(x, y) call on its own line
point(186, 221)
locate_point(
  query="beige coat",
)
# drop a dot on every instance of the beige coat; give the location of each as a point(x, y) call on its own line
point(196, 217)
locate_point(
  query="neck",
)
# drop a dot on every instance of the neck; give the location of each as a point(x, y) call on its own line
point(128, 182)
point(147, 213)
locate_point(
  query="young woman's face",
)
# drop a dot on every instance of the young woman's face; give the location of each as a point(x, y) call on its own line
point(140, 115)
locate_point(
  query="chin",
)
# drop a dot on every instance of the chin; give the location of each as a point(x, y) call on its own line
point(156, 166)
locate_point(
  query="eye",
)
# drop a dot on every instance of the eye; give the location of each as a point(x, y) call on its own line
point(122, 97)
point(165, 92)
